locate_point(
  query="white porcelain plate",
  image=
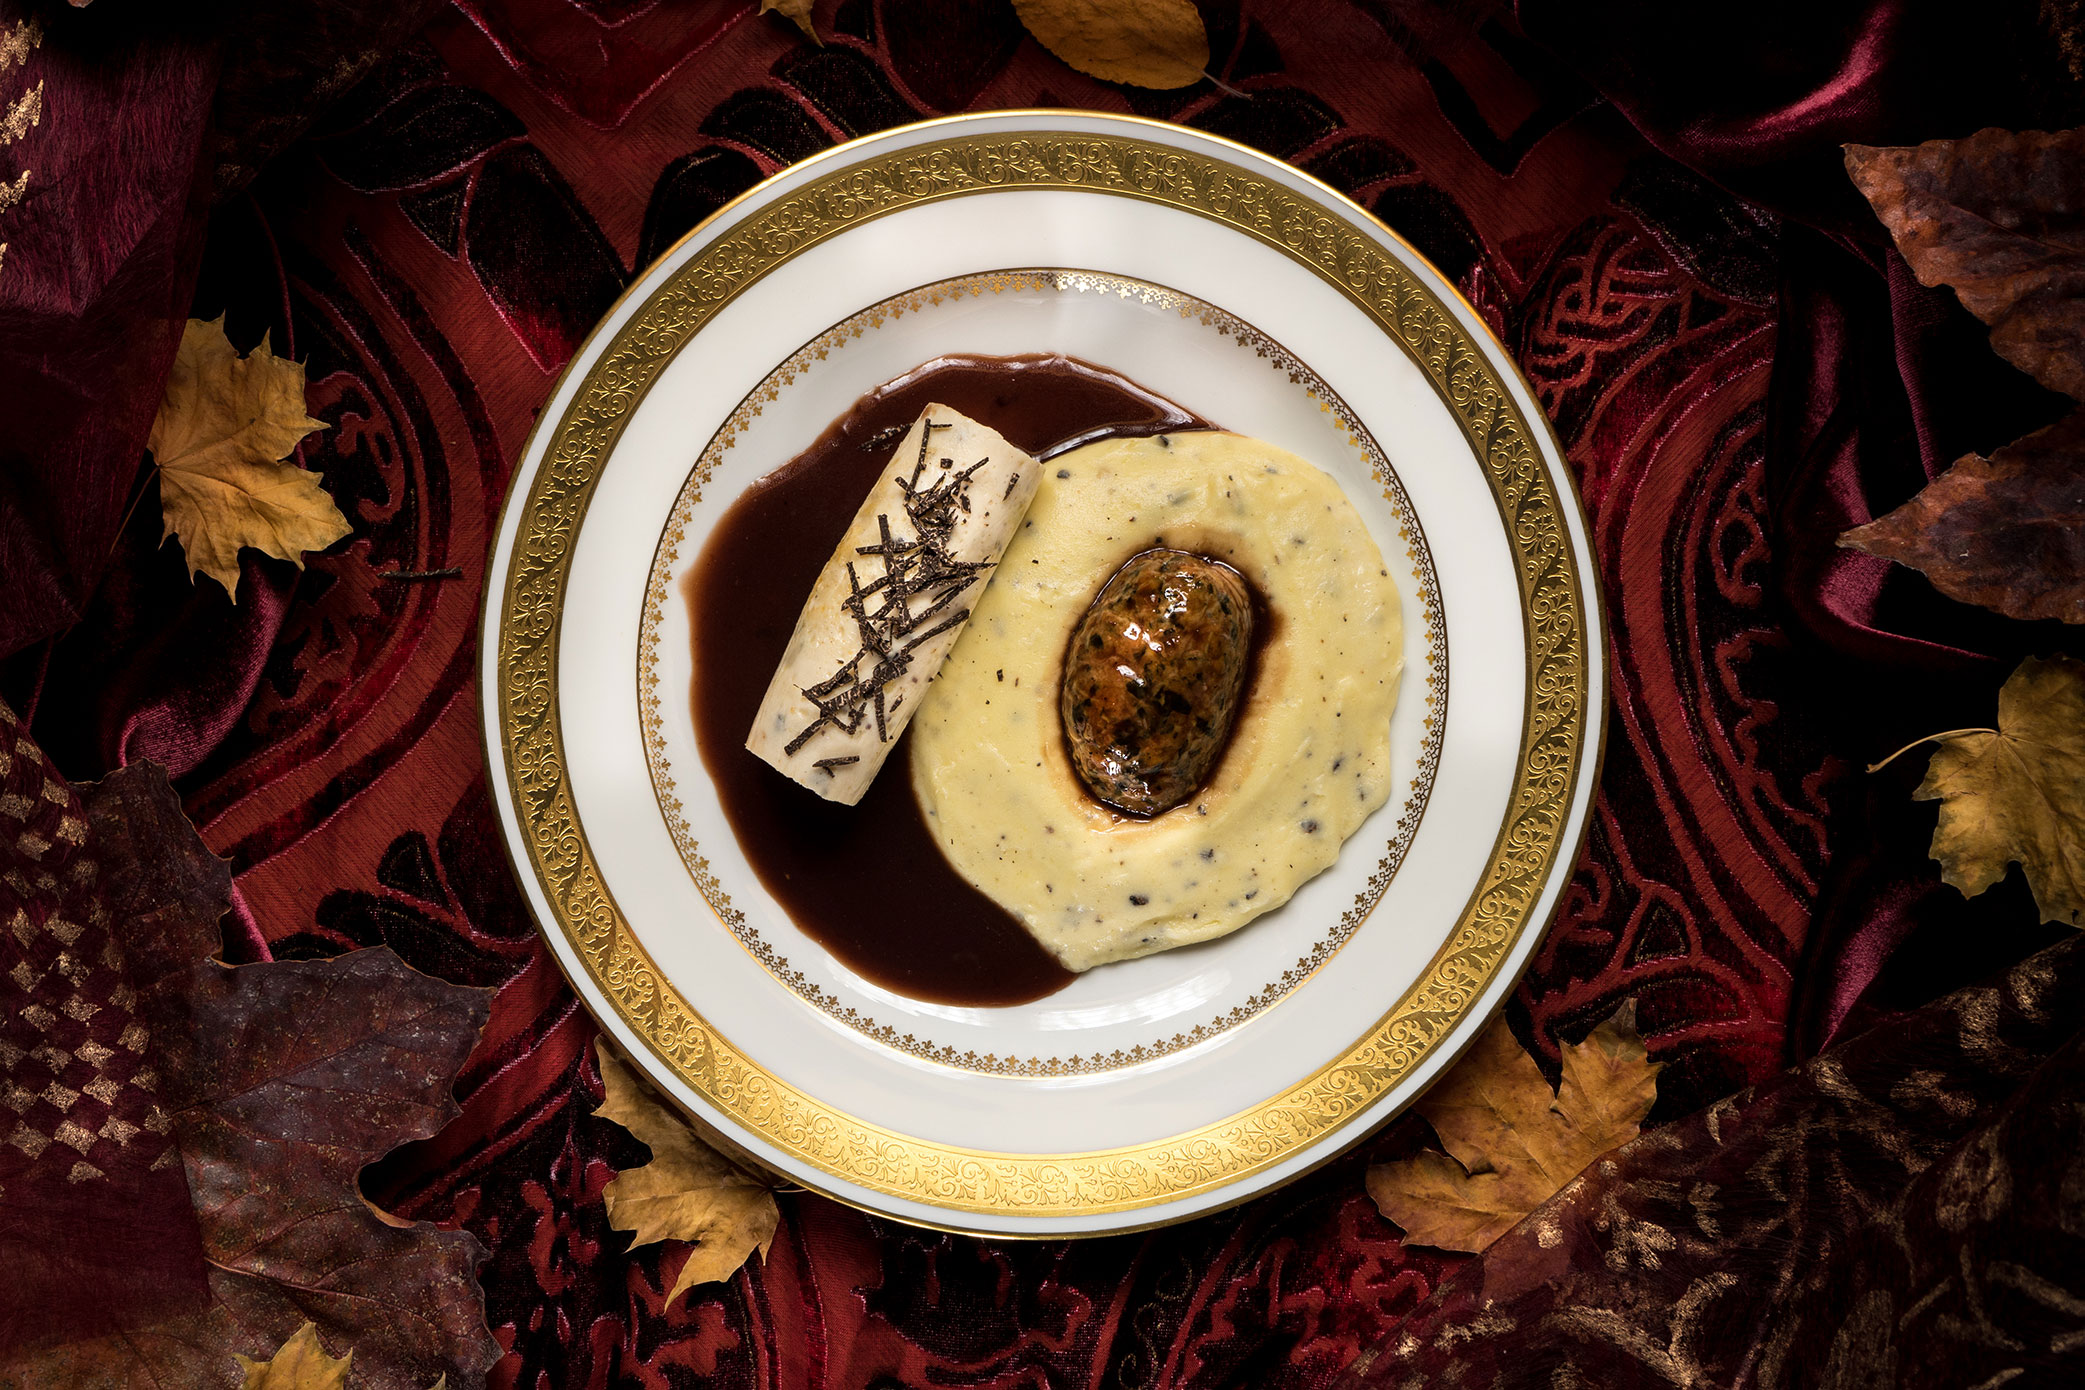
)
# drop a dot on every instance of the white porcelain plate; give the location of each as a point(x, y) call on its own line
point(1150, 1090)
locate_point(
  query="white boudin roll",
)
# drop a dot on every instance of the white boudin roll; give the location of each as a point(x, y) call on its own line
point(891, 602)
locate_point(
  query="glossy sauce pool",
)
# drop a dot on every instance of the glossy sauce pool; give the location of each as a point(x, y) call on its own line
point(867, 881)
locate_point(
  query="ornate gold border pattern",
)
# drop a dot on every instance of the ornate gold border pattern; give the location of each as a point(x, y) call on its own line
point(659, 599)
point(819, 1136)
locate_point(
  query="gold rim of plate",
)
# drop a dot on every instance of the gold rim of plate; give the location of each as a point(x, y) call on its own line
point(1553, 601)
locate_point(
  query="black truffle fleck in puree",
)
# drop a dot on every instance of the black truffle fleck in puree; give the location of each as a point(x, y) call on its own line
point(867, 881)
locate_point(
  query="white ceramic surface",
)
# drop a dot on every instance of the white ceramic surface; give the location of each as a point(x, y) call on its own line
point(1131, 278)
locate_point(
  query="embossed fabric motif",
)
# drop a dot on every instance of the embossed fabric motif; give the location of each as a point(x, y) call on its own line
point(1906, 1210)
point(1879, 384)
point(436, 248)
point(1646, 331)
point(445, 237)
point(96, 1226)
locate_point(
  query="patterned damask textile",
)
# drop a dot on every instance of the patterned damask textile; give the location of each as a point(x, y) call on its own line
point(97, 1230)
point(436, 247)
point(1905, 1211)
point(1880, 384)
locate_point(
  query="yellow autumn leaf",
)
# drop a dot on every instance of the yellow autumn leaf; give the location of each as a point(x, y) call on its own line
point(300, 1364)
point(797, 11)
point(687, 1192)
point(1512, 1143)
point(2016, 794)
point(221, 431)
point(1144, 43)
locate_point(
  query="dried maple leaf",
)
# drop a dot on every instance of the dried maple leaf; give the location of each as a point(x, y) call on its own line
point(1996, 217)
point(300, 1363)
point(222, 429)
point(2016, 794)
point(282, 1080)
point(2005, 532)
point(688, 1191)
point(1514, 1143)
point(1144, 43)
point(796, 11)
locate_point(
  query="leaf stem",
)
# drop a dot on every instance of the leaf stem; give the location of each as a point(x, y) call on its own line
point(131, 510)
point(1929, 738)
point(413, 576)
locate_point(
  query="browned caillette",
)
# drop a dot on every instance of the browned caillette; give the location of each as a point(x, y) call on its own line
point(1153, 676)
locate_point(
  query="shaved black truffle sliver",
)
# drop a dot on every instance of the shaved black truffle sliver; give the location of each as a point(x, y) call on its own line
point(917, 568)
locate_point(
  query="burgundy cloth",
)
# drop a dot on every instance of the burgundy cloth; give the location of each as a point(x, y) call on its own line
point(1880, 383)
point(1906, 1211)
point(1761, 96)
point(101, 214)
point(97, 1229)
point(134, 123)
point(1732, 388)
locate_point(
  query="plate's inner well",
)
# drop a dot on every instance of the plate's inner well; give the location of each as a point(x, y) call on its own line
point(855, 909)
point(867, 881)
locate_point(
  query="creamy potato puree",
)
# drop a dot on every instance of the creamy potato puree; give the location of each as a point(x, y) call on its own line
point(1310, 753)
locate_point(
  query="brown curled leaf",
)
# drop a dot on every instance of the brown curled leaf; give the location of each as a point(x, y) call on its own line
point(2005, 532)
point(1142, 43)
point(1996, 217)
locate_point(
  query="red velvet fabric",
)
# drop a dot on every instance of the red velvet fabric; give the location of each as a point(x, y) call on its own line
point(101, 216)
point(1732, 385)
point(1880, 384)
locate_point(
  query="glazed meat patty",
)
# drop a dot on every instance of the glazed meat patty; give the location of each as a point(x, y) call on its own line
point(1153, 676)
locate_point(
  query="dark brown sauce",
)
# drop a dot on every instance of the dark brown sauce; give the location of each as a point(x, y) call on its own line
point(867, 881)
